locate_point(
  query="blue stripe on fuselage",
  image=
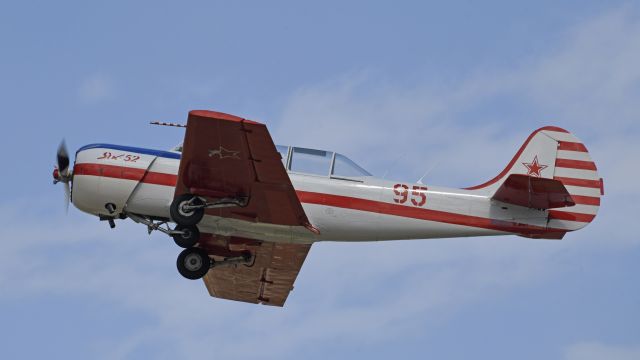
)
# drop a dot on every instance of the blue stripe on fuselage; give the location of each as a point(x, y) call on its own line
point(160, 153)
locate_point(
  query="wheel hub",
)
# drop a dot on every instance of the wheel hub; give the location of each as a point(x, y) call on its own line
point(193, 262)
point(183, 211)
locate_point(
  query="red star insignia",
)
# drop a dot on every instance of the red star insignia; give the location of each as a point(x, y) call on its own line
point(223, 153)
point(534, 168)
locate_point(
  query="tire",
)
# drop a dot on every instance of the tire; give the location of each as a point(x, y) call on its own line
point(181, 217)
point(193, 263)
point(189, 238)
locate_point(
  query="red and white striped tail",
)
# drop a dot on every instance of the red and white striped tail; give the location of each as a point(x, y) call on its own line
point(554, 153)
point(579, 174)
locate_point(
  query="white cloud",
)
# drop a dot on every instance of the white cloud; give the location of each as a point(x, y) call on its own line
point(96, 88)
point(595, 78)
point(599, 351)
point(589, 83)
point(388, 129)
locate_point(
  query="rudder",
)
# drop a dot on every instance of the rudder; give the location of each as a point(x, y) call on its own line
point(554, 153)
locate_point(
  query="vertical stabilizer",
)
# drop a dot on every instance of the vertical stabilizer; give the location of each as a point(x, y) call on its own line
point(554, 153)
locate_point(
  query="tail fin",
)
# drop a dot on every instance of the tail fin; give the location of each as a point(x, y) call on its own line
point(554, 153)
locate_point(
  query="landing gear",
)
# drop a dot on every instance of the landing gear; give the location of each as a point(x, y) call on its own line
point(187, 210)
point(186, 236)
point(194, 263)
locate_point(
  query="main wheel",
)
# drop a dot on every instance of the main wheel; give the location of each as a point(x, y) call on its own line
point(189, 237)
point(184, 217)
point(193, 263)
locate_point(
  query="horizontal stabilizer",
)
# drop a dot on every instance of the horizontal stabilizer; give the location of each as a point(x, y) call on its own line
point(533, 192)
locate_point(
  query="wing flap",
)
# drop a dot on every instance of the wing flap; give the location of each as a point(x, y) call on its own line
point(268, 281)
point(533, 192)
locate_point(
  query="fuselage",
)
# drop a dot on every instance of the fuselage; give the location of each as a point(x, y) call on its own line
point(142, 181)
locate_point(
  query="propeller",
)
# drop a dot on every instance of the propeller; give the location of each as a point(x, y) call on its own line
point(61, 172)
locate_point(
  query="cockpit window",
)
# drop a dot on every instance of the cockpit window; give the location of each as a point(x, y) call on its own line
point(316, 162)
point(311, 161)
point(284, 153)
point(344, 167)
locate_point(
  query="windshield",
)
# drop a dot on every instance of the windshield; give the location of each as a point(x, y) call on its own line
point(325, 163)
point(344, 167)
point(310, 161)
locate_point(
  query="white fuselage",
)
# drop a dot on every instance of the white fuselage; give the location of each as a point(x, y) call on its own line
point(142, 181)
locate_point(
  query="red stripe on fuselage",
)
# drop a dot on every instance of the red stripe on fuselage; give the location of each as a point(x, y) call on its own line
point(125, 173)
point(110, 171)
point(420, 213)
point(149, 177)
point(160, 179)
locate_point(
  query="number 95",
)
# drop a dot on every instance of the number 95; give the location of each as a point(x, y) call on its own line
point(418, 194)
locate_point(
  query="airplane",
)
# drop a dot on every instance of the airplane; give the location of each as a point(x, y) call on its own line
point(247, 211)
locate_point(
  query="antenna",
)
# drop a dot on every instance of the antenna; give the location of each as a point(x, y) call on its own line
point(167, 124)
point(427, 172)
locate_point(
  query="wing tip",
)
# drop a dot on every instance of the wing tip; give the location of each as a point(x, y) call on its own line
point(220, 116)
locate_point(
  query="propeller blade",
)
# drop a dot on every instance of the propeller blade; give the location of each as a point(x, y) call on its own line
point(61, 173)
point(67, 197)
point(63, 159)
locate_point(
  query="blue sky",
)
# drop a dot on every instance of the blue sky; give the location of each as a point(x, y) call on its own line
point(402, 88)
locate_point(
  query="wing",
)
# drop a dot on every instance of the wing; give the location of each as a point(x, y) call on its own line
point(227, 156)
point(267, 281)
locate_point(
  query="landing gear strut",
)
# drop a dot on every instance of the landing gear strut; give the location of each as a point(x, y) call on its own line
point(188, 209)
point(185, 236)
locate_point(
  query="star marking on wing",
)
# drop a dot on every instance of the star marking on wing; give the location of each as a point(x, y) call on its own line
point(223, 153)
point(534, 168)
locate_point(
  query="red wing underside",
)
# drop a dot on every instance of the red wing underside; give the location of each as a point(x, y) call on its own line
point(533, 192)
point(227, 156)
point(267, 281)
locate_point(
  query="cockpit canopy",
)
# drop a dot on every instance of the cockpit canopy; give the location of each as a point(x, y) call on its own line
point(315, 162)
point(319, 162)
